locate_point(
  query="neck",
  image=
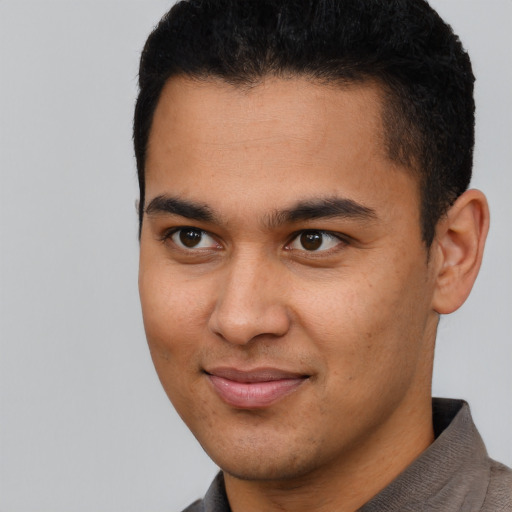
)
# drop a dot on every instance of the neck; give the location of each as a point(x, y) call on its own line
point(349, 481)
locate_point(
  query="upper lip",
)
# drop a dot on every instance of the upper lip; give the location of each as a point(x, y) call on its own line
point(254, 375)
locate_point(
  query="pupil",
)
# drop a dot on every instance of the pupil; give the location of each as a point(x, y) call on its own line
point(311, 240)
point(190, 237)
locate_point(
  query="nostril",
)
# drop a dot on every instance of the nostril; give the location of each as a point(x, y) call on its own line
point(249, 302)
point(243, 327)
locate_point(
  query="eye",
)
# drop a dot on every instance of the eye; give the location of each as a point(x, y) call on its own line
point(314, 241)
point(193, 238)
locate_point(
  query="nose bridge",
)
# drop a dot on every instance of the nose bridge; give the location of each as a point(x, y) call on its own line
point(250, 302)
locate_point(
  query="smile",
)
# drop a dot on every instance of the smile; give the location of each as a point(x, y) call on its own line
point(253, 389)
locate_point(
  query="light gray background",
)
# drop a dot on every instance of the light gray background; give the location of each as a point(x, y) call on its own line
point(84, 424)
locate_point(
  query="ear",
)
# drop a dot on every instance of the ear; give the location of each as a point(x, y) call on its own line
point(459, 245)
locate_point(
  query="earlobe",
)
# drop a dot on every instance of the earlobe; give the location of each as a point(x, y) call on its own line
point(459, 245)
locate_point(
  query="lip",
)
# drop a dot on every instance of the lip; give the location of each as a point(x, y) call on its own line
point(254, 389)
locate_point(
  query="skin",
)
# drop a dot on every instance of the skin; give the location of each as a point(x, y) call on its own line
point(356, 318)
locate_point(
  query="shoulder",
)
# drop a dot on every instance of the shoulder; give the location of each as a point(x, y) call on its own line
point(197, 506)
point(215, 499)
point(499, 492)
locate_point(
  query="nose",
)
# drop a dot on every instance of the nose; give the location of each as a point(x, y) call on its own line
point(250, 302)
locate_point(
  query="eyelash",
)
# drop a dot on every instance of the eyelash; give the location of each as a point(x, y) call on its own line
point(324, 234)
point(343, 240)
point(167, 236)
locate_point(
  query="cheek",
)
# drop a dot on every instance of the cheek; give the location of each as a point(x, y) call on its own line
point(174, 312)
point(368, 330)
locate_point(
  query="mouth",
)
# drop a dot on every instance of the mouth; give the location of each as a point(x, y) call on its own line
point(254, 389)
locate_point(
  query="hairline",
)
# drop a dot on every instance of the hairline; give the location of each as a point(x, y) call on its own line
point(389, 116)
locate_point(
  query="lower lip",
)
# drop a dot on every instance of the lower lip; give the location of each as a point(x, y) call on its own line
point(253, 395)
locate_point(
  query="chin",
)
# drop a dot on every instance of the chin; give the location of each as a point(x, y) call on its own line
point(269, 462)
point(260, 470)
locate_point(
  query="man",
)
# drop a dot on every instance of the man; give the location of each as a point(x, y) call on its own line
point(304, 221)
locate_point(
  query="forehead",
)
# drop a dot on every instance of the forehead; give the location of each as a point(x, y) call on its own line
point(219, 114)
point(285, 137)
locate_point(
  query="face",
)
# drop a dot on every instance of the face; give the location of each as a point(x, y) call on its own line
point(285, 288)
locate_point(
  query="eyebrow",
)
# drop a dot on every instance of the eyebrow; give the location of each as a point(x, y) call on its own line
point(322, 208)
point(181, 207)
point(333, 207)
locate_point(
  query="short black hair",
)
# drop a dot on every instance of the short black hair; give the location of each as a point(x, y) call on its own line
point(403, 45)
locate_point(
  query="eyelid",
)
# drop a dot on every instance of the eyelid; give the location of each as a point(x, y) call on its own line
point(342, 239)
point(169, 233)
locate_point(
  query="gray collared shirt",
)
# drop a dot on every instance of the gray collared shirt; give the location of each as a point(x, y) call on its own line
point(454, 474)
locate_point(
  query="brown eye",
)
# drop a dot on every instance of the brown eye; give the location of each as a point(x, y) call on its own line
point(315, 241)
point(194, 239)
point(190, 237)
point(311, 240)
